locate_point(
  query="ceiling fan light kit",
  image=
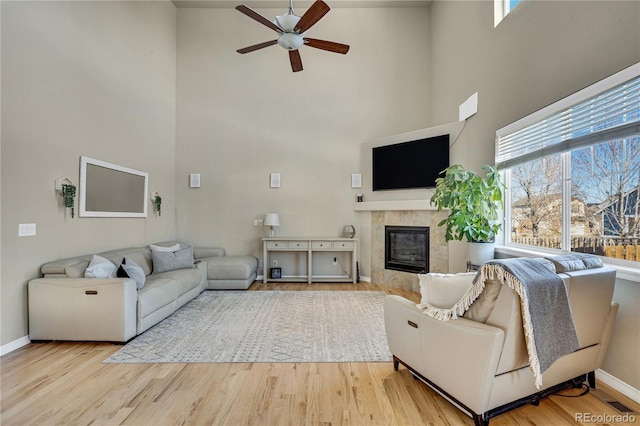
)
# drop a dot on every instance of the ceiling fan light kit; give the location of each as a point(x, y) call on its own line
point(290, 41)
point(292, 30)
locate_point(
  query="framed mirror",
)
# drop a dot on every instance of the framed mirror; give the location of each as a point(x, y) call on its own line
point(110, 190)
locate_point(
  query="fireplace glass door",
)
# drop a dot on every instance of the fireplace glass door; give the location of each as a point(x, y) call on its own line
point(407, 249)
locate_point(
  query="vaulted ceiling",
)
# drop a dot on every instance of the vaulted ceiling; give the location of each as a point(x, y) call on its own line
point(303, 4)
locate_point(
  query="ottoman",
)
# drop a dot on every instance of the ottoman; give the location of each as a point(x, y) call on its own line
point(230, 272)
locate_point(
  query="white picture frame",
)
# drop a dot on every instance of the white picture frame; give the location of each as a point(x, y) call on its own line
point(111, 190)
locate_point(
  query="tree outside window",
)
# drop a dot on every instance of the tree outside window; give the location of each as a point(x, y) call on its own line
point(604, 208)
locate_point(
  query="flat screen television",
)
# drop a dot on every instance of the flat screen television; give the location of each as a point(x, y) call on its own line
point(410, 165)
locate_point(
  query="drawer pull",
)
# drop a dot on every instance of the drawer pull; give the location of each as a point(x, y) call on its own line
point(91, 292)
point(412, 324)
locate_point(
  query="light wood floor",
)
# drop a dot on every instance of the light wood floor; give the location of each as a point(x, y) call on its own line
point(67, 384)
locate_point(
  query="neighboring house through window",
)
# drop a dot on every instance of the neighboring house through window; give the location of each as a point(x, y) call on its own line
point(573, 172)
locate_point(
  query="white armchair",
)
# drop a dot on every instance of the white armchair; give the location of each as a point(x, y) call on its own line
point(483, 366)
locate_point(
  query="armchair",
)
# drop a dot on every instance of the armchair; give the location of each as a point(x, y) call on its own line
point(482, 366)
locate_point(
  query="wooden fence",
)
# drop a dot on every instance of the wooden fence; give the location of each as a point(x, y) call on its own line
point(619, 248)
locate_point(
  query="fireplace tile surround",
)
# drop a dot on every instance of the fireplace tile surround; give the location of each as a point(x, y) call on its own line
point(438, 247)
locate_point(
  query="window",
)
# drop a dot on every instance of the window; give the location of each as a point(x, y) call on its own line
point(573, 172)
point(501, 8)
point(509, 5)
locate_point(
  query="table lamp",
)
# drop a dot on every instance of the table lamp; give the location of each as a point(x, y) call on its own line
point(272, 219)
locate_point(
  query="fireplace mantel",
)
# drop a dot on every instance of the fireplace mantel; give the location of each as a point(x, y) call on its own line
point(392, 205)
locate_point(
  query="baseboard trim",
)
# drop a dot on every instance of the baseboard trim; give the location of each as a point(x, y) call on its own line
point(365, 279)
point(617, 384)
point(16, 344)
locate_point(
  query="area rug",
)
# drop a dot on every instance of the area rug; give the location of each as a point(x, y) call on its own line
point(267, 326)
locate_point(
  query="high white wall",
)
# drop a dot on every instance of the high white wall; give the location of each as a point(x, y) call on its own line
point(80, 78)
point(541, 52)
point(242, 117)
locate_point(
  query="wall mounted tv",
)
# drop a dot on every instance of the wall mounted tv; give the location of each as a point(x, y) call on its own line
point(410, 165)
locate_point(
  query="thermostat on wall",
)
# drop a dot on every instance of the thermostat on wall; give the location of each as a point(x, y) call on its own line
point(194, 180)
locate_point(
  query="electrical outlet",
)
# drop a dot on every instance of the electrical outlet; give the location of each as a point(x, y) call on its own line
point(335, 261)
point(274, 262)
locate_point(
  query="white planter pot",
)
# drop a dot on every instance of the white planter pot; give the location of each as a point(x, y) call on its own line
point(480, 253)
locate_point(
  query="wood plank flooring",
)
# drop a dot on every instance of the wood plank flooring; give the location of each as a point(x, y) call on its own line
point(67, 384)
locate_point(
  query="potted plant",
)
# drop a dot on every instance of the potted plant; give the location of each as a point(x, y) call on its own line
point(474, 202)
point(69, 195)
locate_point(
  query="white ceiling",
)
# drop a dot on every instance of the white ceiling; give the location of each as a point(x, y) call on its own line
point(302, 4)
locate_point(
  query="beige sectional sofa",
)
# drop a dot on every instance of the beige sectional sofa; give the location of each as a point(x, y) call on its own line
point(65, 305)
point(483, 366)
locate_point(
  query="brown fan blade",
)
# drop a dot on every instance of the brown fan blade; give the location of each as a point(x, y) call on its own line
point(296, 60)
point(327, 45)
point(255, 15)
point(257, 46)
point(311, 16)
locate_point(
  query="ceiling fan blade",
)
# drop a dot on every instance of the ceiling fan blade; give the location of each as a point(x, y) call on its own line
point(311, 16)
point(257, 46)
point(296, 60)
point(327, 45)
point(256, 16)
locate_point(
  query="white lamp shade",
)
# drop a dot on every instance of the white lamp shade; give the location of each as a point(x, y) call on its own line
point(272, 219)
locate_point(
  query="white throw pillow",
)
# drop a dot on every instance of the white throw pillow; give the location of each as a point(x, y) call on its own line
point(444, 290)
point(161, 249)
point(99, 267)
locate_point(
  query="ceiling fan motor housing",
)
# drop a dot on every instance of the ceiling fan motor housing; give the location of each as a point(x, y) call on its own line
point(287, 22)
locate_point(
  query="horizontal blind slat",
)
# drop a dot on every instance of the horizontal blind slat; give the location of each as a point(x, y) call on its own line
point(613, 108)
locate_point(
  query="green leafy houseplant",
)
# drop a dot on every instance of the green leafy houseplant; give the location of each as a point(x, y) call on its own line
point(69, 195)
point(474, 202)
point(157, 200)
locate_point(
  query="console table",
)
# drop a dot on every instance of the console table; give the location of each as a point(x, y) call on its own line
point(310, 245)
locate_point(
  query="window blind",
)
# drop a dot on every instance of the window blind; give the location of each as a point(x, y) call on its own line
point(606, 111)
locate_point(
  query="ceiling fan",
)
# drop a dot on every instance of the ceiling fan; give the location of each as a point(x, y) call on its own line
point(292, 30)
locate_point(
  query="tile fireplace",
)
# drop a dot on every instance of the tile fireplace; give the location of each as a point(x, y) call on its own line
point(438, 250)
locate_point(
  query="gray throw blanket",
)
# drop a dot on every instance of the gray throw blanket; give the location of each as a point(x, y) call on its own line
point(546, 315)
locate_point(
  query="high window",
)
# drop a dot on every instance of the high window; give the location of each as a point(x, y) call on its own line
point(501, 8)
point(509, 5)
point(573, 172)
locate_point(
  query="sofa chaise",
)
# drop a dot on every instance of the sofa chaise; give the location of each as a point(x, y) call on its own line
point(480, 362)
point(66, 305)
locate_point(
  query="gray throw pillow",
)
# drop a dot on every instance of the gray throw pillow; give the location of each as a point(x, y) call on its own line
point(130, 269)
point(168, 261)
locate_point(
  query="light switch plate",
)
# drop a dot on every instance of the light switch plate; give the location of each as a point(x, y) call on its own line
point(194, 180)
point(275, 180)
point(26, 229)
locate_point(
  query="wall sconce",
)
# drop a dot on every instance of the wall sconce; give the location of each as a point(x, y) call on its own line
point(67, 189)
point(271, 220)
point(157, 201)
